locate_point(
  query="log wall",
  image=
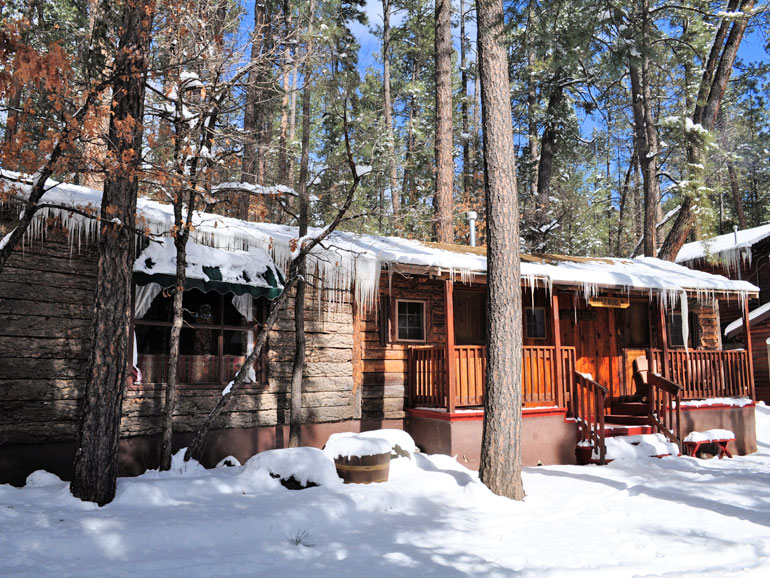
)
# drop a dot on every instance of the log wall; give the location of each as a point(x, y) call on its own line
point(46, 297)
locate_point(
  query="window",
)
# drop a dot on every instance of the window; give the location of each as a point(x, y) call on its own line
point(535, 318)
point(411, 320)
point(213, 344)
point(674, 328)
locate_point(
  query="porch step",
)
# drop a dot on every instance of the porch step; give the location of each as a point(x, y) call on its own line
point(616, 430)
point(626, 419)
point(630, 408)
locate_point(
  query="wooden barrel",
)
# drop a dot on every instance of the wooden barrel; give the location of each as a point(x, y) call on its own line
point(363, 469)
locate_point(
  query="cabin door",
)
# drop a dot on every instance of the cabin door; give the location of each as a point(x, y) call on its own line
point(593, 333)
point(470, 316)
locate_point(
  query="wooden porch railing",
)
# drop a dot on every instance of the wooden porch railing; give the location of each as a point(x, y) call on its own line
point(664, 397)
point(703, 374)
point(587, 404)
point(428, 376)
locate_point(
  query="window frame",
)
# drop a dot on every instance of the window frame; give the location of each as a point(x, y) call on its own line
point(397, 336)
point(545, 324)
point(261, 310)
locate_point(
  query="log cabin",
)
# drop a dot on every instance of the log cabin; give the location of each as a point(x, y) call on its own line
point(396, 338)
point(743, 254)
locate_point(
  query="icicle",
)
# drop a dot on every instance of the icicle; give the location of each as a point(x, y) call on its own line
point(685, 318)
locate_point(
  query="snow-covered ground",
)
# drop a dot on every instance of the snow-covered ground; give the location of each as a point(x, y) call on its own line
point(667, 517)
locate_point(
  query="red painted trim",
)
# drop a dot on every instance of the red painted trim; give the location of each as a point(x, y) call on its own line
point(543, 411)
point(479, 415)
point(446, 416)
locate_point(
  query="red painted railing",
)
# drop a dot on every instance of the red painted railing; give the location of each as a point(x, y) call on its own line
point(587, 404)
point(704, 374)
point(664, 397)
point(428, 380)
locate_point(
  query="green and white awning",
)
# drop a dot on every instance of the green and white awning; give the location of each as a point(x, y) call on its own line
point(240, 272)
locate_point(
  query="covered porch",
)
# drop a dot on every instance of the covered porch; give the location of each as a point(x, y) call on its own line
point(580, 358)
point(548, 370)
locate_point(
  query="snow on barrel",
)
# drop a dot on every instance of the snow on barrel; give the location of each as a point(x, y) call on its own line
point(359, 459)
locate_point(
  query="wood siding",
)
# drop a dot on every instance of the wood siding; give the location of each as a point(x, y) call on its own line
point(384, 365)
point(46, 297)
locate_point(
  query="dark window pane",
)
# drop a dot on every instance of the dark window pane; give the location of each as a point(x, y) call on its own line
point(235, 342)
point(535, 323)
point(231, 315)
point(199, 341)
point(675, 331)
point(411, 320)
point(162, 309)
point(202, 308)
point(152, 339)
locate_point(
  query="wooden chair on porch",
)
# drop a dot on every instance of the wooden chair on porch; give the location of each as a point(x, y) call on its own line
point(641, 384)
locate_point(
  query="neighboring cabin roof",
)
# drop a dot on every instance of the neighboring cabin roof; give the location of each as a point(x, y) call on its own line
point(351, 261)
point(758, 315)
point(727, 248)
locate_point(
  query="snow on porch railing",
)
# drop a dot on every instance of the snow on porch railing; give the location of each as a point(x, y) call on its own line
point(428, 376)
point(704, 374)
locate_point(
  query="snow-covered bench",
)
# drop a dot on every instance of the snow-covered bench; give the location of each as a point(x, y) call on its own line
point(720, 437)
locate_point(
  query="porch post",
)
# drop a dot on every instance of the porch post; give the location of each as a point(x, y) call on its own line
point(663, 337)
point(450, 344)
point(747, 341)
point(560, 385)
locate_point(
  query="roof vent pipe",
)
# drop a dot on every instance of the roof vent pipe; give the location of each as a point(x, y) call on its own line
point(472, 216)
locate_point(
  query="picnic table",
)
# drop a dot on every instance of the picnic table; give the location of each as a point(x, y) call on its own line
point(719, 437)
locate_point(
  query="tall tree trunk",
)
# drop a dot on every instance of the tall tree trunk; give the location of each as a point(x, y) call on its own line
point(478, 160)
point(534, 147)
point(169, 406)
point(500, 467)
point(292, 122)
point(466, 136)
point(712, 87)
point(287, 67)
point(736, 193)
point(267, 91)
point(547, 155)
point(624, 202)
point(251, 126)
point(298, 367)
point(442, 201)
point(96, 459)
point(647, 151)
point(407, 178)
point(388, 106)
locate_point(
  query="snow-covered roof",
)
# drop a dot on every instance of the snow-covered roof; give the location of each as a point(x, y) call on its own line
point(729, 249)
point(756, 316)
point(351, 261)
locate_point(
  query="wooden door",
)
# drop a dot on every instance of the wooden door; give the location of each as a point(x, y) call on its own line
point(593, 333)
point(470, 317)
